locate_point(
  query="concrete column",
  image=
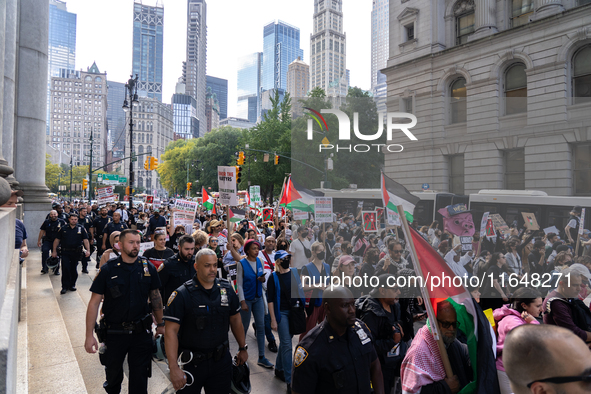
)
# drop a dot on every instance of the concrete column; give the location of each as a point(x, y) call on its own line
point(485, 22)
point(9, 86)
point(544, 8)
point(31, 105)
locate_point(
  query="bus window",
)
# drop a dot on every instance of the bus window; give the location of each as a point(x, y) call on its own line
point(423, 212)
point(513, 214)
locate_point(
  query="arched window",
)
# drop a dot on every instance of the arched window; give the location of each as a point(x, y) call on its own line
point(88, 78)
point(458, 100)
point(464, 14)
point(98, 79)
point(582, 75)
point(515, 89)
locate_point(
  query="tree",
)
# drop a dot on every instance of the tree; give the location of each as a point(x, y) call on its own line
point(52, 174)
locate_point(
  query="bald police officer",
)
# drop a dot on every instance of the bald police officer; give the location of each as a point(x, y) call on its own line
point(337, 356)
point(49, 229)
point(197, 318)
point(74, 241)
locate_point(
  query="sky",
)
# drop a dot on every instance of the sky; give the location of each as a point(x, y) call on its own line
point(234, 28)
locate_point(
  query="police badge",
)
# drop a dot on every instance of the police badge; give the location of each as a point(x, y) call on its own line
point(224, 297)
point(300, 356)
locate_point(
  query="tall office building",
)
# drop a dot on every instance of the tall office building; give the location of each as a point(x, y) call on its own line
point(212, 111)
point(281, 46)
point(78, 107)
point(116, 124)
point(148, 47)
point(61, 54)
point(219, 86)
point(380, 38)
point(328, 43)
point(298, 78)
point(194, 68)
point(184, 108)
point(249, 86)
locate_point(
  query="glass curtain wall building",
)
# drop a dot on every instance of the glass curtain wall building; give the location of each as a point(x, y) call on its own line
point(186, 124)
point(61, 45)
point(194, 69)
point(249, 86)
point(116, 117)
point(281, 46)
point(148, 48)
point(380, 39)
point(219, 86)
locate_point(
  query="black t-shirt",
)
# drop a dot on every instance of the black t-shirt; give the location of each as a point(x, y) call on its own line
point(173, 242)
point(487, 289)
point(288, 287)
point(157, 257)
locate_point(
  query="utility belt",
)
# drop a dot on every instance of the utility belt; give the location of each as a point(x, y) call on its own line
point(72, 250)
point(47, 239)
point(193, 356)
point(142, 326)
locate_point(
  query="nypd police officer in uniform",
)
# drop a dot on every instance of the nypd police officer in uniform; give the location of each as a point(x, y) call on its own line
point(74, 240)
point(99, 225)
point(86, 221)
point(114, 225)
point(197, 318)
point(47, 235)
point(179, 268)
point(125, 283)
point(338, 355)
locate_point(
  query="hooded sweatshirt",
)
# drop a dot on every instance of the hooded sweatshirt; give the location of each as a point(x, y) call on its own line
point(507, 319)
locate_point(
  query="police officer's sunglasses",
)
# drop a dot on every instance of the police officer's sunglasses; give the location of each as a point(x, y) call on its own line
point(564, 379)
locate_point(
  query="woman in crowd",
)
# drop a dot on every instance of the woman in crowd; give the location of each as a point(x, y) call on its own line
point(493, 296)
point(114, 252)
point(200, 238)
point(214, 245)
point(513, 257)
point(525, 307)
point(368, 268)
point(159, 253)
point(480, 262)
point(346, 272)
point(282, 244)
point(174, 234)
point(282, 284)
point(317, 271)
point(433, 228)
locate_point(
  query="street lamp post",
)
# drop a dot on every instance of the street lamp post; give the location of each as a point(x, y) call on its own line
point(129, 101)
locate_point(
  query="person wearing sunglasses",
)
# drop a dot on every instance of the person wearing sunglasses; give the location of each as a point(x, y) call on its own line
point(546, 359)
point(431, 378)
point(393, 261)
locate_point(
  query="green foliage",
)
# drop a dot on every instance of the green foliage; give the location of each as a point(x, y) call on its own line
point(52, 173)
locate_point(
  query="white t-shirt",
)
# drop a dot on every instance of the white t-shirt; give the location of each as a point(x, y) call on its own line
point(298, 256)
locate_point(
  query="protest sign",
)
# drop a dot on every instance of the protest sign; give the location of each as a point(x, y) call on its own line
point(323, 209)
point(157, 203)
point(393, 217)
point(458, 220)
point(145, 246)
point(483, 223)
point(184, 213)
point(299, 215)
point(267, 214)
point(227, 186)
point(530, 221)
point(551, 229)
point(149, 199)
point(582, 222)
point(370, 221)
point(466, 243)
point(104, 191)
point(499, 224)
point(255, 194)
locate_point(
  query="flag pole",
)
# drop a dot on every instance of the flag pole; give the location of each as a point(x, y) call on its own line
point(435, 329)
point(228, 222)
point(280, 197)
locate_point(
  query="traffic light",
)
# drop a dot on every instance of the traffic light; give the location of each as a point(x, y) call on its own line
point(189, 184)
point(153, 163)
point(128, 190)
point(147, 164)
point(276, 159)
point(240, 161)
point(238, 174)
point(84, 184)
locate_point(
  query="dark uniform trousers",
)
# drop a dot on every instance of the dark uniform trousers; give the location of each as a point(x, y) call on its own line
point(214, 375)
point(138, 348)
point(46, 248)
point(70, 260)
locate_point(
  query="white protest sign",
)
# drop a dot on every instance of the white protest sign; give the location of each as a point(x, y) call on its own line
point(104, 191)
point(582, 222)
point(227, 186)
point(483, 223)
point(323, 210)
point(552, 229)
point(157, 203)
point(145, 246)
point(255, 194)
point(393, 217)
point(184, 212)
point(105, 199)
point(466, 243)
point(299, 215)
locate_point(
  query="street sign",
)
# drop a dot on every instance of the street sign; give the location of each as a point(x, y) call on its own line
point(99, 177)
point(122, 179)
point(111, 177)
point(425, 186)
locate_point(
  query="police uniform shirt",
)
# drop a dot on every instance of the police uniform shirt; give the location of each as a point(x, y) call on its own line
point(52, 228)
point(86, 222)
point(71, 238)
point(173, 273)
point(126, 289)
point(112, 227)
point(100, 223)
point(326, 363)
point(182, 304)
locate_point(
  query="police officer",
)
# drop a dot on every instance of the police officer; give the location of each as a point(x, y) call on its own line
point(47, 235)
point(197, 318)
point(115, 225)
point(337, 356)
point(86, 221)
point(179, 268)
point(99, 225)
point(125, 283)
point(73, 238)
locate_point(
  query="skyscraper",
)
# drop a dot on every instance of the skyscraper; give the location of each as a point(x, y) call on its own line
point(148, 47)
point(328, 62)
point(184, 107)
point(116, 117)
point(62, 44)
point(281, 46)
point(298, 78)
point(249, 86)
point(194, 69)
point(380, 38)
point(219, 86)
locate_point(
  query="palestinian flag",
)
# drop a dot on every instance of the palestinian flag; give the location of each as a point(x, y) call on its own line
point(472, 322)
point(236, 215)
point(298, 197)
point(394, 194)
point(247, 199)
point(214, 210)
point(206, 199)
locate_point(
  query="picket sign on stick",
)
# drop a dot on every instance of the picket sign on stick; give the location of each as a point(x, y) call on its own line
point(435, 329)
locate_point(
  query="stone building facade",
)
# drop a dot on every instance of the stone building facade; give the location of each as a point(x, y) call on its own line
point(501, 91)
